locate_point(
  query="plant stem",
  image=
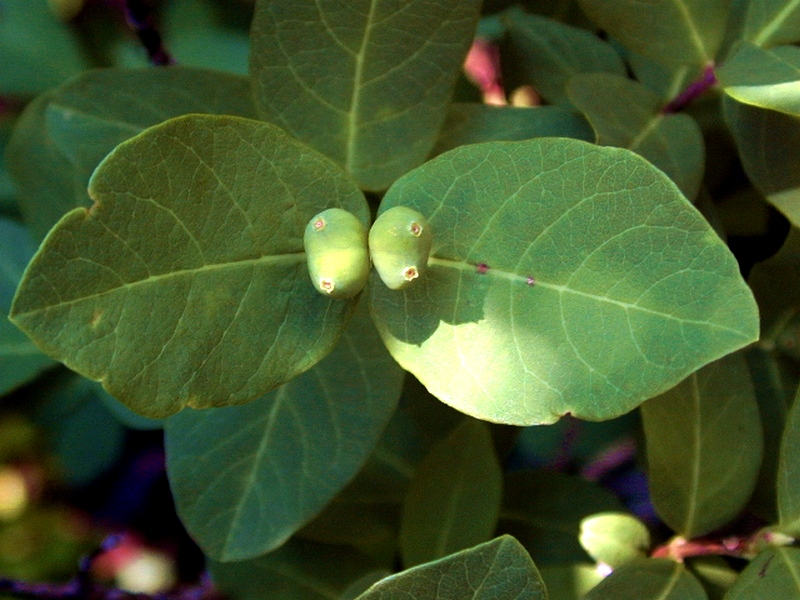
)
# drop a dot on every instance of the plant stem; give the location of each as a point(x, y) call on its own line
point(140, 17)
point(695, 89)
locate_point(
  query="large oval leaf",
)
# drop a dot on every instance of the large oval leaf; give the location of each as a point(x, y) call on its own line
point(367, 82)
point(768, 142)
point(454, 498)
point(63, 135)
point(186, 283)
point(245, 478)
point(699, 480)
point(772, 574)
point(564, 277)
point(788, 476)
point(766, 22)
point(649, 579)
point(497, 570)
point(670, 31)
point(626, 114)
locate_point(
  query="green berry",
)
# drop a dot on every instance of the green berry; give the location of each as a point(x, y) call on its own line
point(336, 249)
point(399, 243)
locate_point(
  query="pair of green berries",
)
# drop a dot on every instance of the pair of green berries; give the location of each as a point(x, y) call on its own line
point(338, 249)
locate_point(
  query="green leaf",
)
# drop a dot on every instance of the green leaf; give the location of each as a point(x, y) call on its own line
point(20, 360)
point(186, 283)
point(454, 498)
point(84, 436)
point(558, 269)
point(366, 83)
point(766, 78)
point(614, 538)
point(766, 22)
point(544, 509)
point(300, 569)
point(769, 146)
point(37, 50)
point(63, 136)
point(714, 573)
point(496, 570)
point(624, 113)
point(687, 32)
point(789, 474)
point(665, 80)
point(473, 123)
point(699, 479)
point(570, 582)
point(649, 579)
point(775, 573)
point(294, 449)
point(546, 53)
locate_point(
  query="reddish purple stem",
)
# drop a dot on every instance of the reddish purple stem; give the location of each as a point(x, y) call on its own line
point(696, 89)
point(140, 18)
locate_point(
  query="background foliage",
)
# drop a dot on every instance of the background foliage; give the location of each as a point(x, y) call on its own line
point(588, 394)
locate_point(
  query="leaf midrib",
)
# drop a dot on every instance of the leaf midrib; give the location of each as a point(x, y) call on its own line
point(355, 99)
point(511, 276)
point(275, 259)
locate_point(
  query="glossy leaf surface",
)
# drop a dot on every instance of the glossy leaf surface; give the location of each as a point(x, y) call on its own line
point(558, 270)
point(547, 53)
point(20, 359)
point(772, 574)
point(769, 146)
point(670, 31)
point(698, 474)
point(468, 123)
point(65, 134)
point(367, 82)
point(789, 474)
point(454, 498)
point(649, 579)
point(765, 78)
point(186, 283)
point(625, 114)
point(544, 510)
point(300, 569)
point(497, 570)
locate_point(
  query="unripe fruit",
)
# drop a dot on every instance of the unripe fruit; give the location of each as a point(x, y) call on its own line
point(399, 243)
point(336, 249)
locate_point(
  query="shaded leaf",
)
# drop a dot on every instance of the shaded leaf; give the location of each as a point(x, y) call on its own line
point(614, 538)
point(84, 435)
point(545, 53)
point(62, 137)
point(544, 509)
point(295, 449)
point(454, 498)
point(570, 582)
point(649, 579)
point(473, 123)
point(496, 570)
point(367, 83)
point(714, 573)
point(624, 113)
point(699, 478)
point(788, 476)
point(766, 22)
point(666, 80)
point(558, 269)
point(769, 146)
point(670, 31)
point(766, 78)
point(186, 282)
point(300, 569)
point(20, 359)
point(38, 50)
point(772, 574)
